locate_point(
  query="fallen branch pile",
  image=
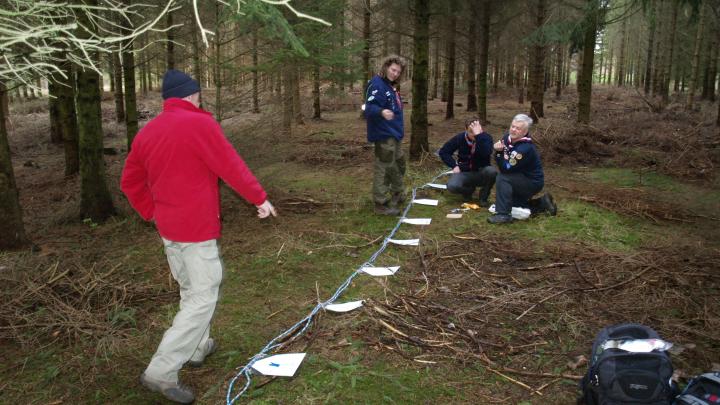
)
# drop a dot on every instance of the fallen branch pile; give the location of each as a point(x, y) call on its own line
point(70, 302)
point(496, 303)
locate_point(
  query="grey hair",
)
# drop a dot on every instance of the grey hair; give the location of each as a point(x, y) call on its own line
point(523, 118)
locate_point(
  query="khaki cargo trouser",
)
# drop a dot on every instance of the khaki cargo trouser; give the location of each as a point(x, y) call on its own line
point(198, 270)
point(389, 169)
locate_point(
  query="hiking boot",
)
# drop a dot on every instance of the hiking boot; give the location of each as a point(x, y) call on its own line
point(398, 199)
point(548, 204)
point(210, 348)
point(173, 391)
point(382, 209)
point(500, 219)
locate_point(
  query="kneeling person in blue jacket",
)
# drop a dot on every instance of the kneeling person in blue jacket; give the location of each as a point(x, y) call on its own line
point(521, 174)
point(472, 168)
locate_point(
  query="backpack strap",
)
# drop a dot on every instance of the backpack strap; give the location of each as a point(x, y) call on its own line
point(691, 400)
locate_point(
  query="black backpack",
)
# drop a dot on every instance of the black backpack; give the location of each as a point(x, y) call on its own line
point(616, 376)
point(701, 390)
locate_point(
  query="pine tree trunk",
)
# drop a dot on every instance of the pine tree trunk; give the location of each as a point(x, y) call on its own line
point(471, 56)
point(537, 68)
point(296, 101)
point(11, 218)
point(170, 42)
point(436, 68)
point(55, 132)
point(670, 45)
point(366, 44)
point(255, 90)
point(620, 79)
point(118, 78)
point(67, 116)
point(95, 199)
point(316, 91)
point(421, 45)
point(585, 81)
point(651, 44)
point(712, 74)
point(197, 68)
point(559, 74)
point(484, 41)
point(287, 97)
point(131, 120)
point(695, 72)
point(450, 70)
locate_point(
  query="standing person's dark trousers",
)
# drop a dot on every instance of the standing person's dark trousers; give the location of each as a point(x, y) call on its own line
point(465, 183)
point(515, 190)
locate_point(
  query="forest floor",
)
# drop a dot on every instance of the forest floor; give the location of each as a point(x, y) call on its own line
point(476, 314)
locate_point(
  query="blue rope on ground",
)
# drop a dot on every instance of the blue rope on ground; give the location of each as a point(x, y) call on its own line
point(301, 326)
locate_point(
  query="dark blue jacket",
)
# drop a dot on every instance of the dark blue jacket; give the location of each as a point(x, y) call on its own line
point(380, 95)
point(467, 158)
point(521, 157)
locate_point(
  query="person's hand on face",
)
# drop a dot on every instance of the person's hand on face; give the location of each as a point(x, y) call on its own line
point(475, 128)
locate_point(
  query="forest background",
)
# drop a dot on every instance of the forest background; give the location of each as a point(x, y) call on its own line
point(624, 93)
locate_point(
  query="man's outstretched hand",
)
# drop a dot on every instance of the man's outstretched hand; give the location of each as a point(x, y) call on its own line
point(266, 209)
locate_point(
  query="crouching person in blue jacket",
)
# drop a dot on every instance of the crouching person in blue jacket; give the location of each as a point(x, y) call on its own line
point(521, 174)
point(385, 129)
point(472, 168)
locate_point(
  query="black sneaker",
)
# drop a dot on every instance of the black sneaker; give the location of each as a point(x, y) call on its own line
point(382, 209)
point(548, 204)
point(500, 219)
point(484, 203)
point(173, 391)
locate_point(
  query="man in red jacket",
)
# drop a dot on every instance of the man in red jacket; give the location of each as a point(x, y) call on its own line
point(171, 178)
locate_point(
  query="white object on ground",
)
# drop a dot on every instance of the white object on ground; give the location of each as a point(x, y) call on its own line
point(344, 307)
point(380, 271)
point(517, 212)
point(425, 201)
point(417, 221)
point(405, 242)
point(449, 172)
point(637, 345)
point(453, 216)
point(438, 186)
point(283, 365)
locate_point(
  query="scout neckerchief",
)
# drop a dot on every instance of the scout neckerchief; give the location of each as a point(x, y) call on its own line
point(397, 98)
point(507, 149)
point(471, 144)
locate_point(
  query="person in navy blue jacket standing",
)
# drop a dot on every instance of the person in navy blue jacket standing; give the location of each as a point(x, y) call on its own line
point(385, 129)
point(521, 174)
point(472, 168)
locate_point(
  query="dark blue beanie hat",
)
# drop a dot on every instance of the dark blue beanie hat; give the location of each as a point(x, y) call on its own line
point(178, 84)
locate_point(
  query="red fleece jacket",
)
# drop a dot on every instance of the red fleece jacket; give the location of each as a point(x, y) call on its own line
point(171, 173)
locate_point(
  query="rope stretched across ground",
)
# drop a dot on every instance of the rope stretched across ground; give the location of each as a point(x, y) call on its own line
point(301, 326)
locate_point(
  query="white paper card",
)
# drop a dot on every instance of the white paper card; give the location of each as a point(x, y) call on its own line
point(380, 271)
point(425, 201)
point(283, 365)
point(405, 242)
point(417, 221)
point(438, 186)
point(344, 307)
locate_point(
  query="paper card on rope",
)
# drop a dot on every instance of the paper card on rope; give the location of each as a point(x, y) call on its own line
point(345, 306)
point(282, 365)
point(380, 271)
point(417, 221)
point(437, 186)
point(425, 201)
point(405, 242)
